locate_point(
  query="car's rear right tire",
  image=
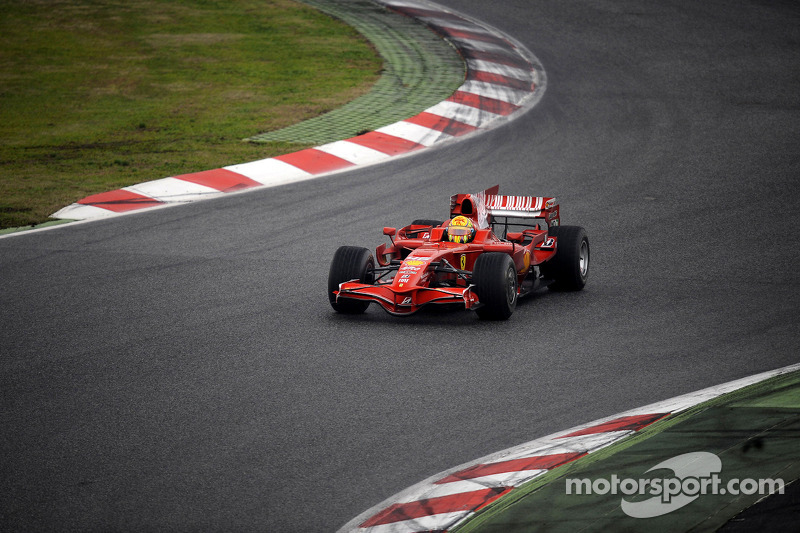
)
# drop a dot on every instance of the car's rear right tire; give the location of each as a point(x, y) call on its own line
point(427, 222)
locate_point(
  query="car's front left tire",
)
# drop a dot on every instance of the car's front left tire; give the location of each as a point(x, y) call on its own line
point(495, 280)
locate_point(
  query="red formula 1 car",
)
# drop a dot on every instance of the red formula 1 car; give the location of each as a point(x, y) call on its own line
point(471, 260)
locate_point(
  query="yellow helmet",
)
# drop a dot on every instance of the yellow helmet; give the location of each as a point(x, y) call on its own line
point(461, 230)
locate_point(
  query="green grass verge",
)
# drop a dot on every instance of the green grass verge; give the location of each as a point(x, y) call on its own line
point(97, 94)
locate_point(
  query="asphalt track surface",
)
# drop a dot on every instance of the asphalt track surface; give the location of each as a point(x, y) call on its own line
point(182, 369)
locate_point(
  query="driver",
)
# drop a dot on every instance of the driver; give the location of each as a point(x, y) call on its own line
point(460, 230)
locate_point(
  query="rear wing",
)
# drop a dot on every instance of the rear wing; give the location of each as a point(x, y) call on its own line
point(488, 205)
point(524, 207)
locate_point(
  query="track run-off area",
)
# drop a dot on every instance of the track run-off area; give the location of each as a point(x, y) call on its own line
point(502, 80)
point(182, 369)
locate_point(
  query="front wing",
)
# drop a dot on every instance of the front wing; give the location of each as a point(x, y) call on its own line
point(410, 300)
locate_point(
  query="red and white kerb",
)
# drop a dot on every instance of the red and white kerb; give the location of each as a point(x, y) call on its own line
point(448, 499)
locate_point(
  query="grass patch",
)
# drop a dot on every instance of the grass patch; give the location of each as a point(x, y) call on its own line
point(97, 94)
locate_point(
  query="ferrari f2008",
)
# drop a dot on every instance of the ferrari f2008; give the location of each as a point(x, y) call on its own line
point(491, 251)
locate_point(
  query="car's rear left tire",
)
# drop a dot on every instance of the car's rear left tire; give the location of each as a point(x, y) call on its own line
point(495, 280)
point(349, 263)
point(570, 267)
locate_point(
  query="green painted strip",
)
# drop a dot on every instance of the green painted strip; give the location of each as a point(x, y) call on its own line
point(420, 70)
point(6, 231)
point(753, 431)
point(786, 396)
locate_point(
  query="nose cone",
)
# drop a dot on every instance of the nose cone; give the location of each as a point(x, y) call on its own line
point(410, 273)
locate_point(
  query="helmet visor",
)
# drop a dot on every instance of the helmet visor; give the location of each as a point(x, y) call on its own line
point(459, 230)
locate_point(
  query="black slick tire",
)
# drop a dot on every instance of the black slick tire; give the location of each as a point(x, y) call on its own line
point(570, 267)
point(495, 280)
point(427, 222)
point(349, 263)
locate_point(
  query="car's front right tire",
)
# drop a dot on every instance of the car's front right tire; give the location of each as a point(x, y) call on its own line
point(349, 263)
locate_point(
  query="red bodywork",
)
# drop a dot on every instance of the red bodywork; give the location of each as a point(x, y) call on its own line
point(422, 267)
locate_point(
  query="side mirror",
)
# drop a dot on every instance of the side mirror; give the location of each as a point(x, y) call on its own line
point(390, 232)
point(514, 236)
